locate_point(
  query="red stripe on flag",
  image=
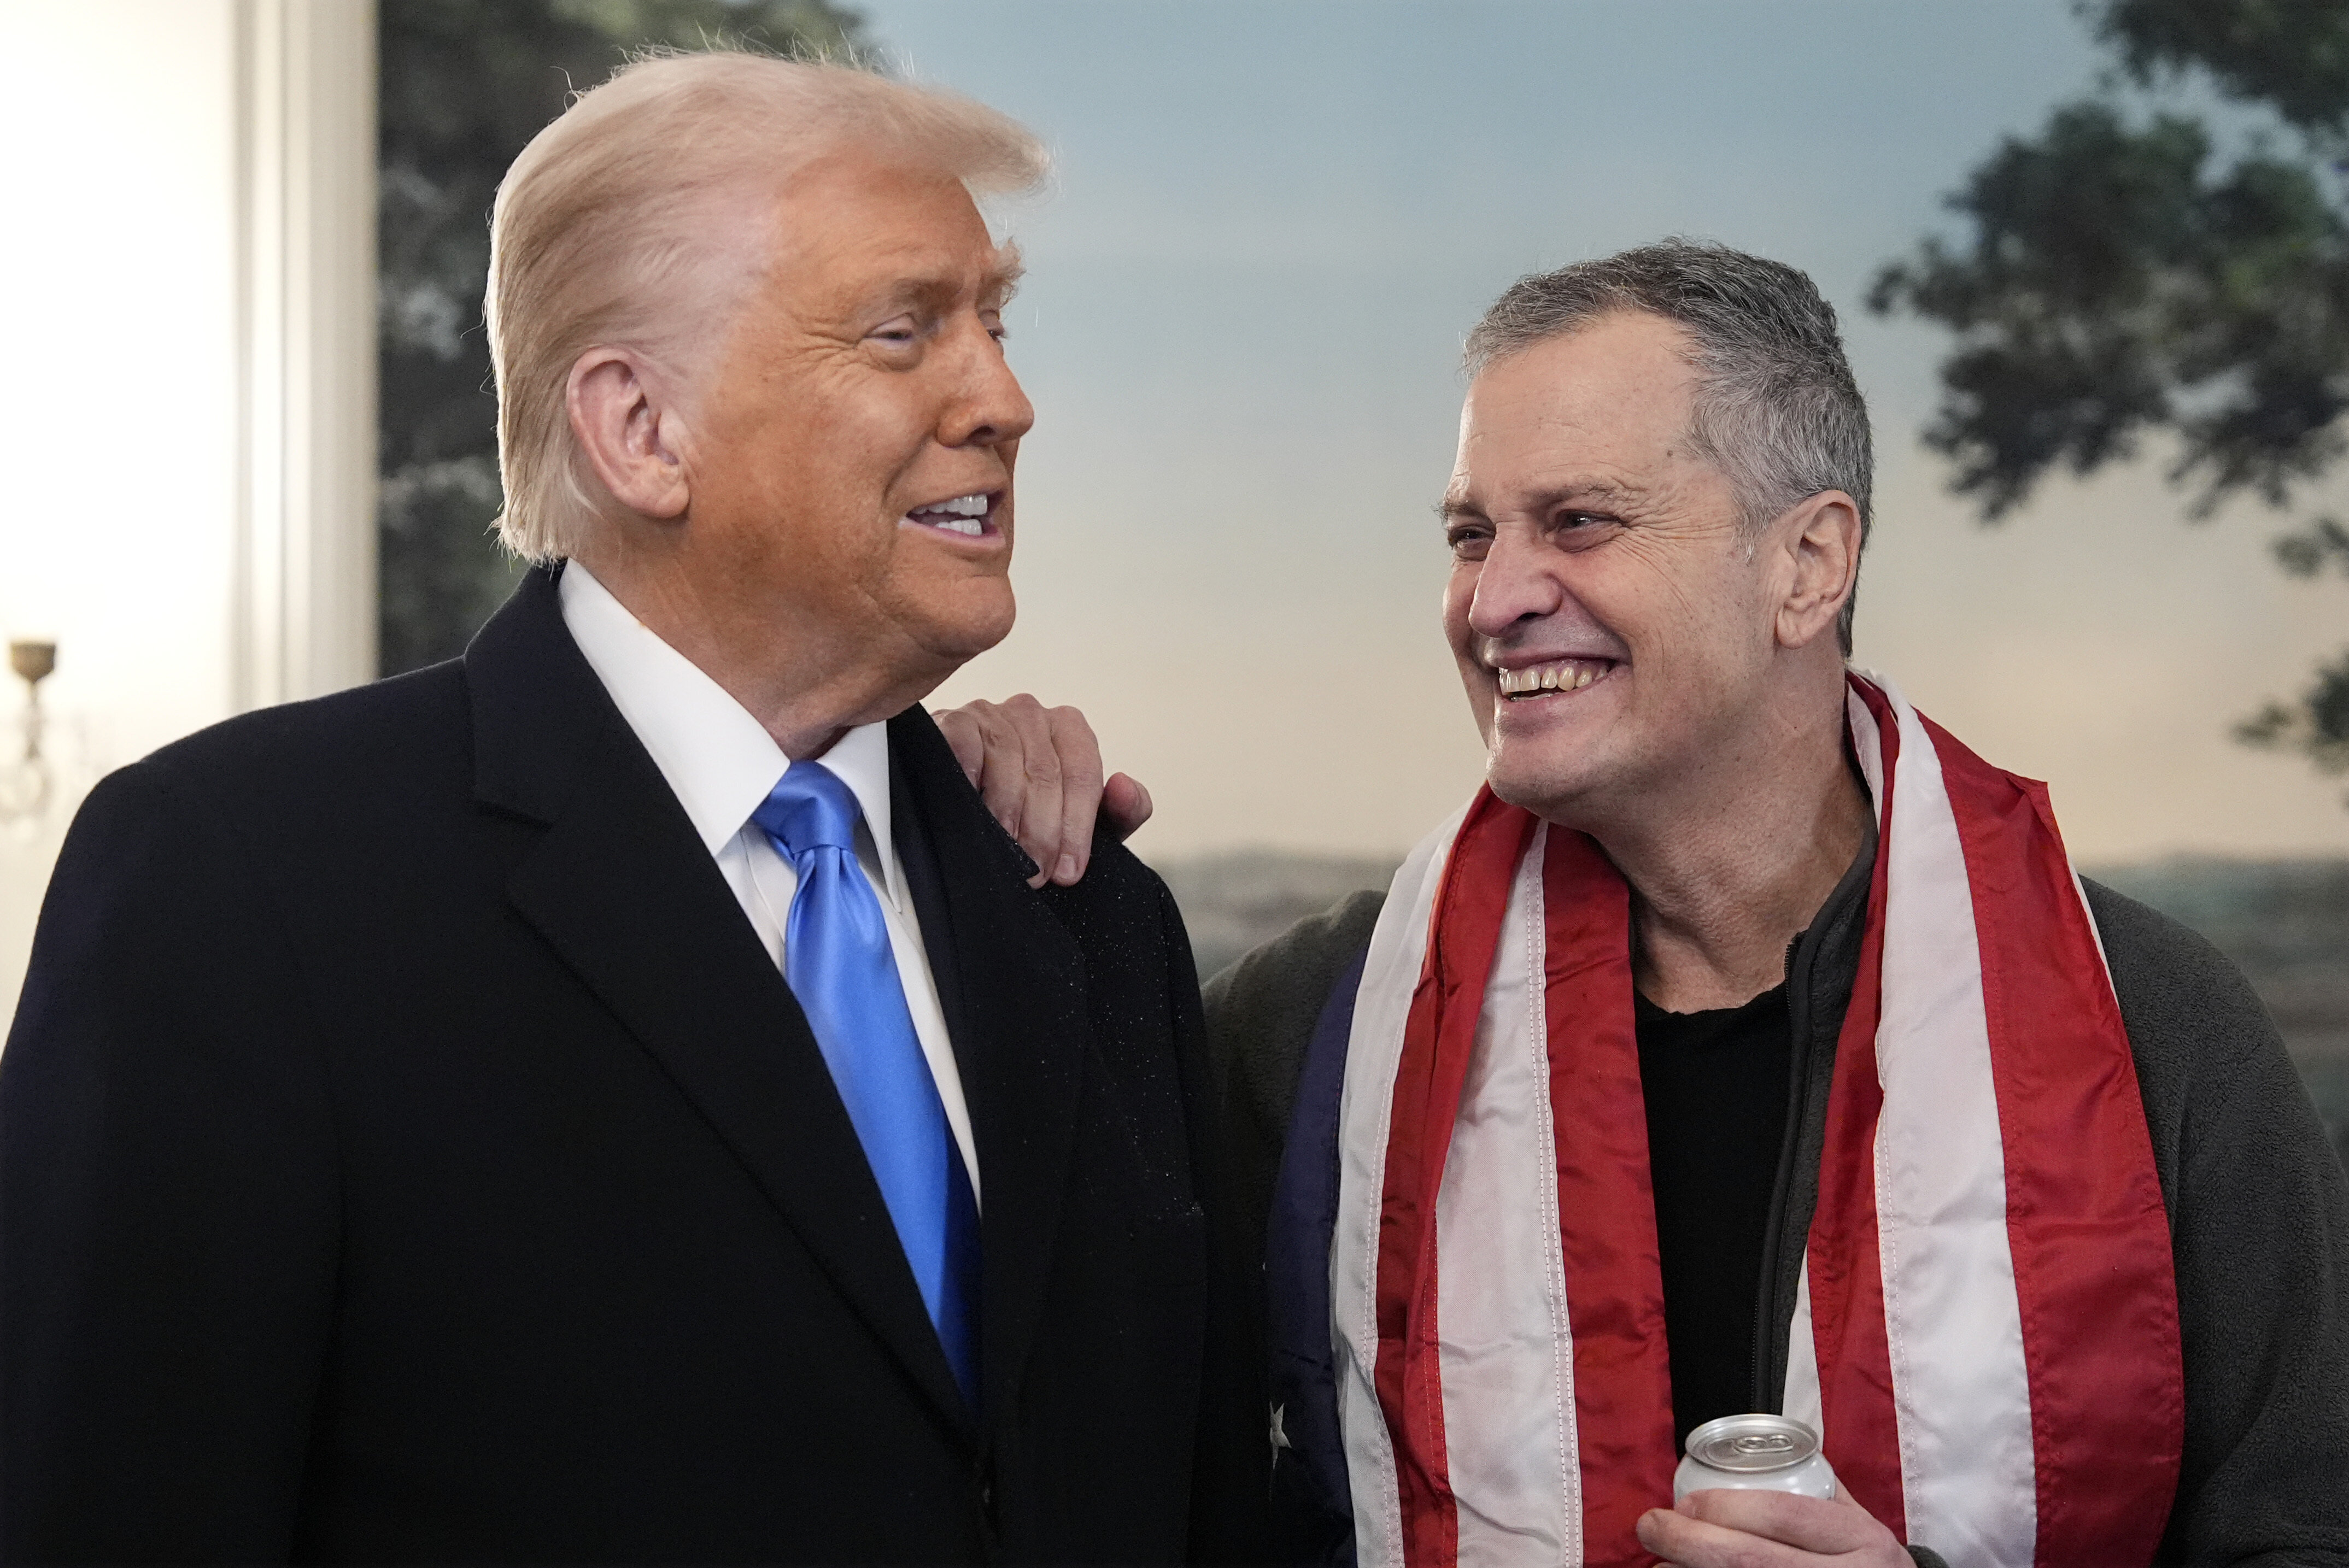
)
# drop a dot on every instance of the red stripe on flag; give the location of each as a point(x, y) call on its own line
point(1439, 1035)
point(1606, 1204)
point(2086, 1225)
point(1847, 1271)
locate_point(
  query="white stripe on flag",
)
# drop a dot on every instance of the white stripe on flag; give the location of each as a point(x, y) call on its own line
point(1960, 1391)
point(1507, 1349)
point(1373, 1052)
point(1801, 1399)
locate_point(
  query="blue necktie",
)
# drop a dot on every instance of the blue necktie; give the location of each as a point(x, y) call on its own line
point(838, 963)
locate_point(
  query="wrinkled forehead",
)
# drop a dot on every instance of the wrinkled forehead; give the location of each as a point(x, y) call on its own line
point(856, 220)
point(1614, 396)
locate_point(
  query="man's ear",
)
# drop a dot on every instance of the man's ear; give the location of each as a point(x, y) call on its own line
point(628, 432)
point(1821, 536)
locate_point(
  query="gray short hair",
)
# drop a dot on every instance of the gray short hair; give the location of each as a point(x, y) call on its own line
point(607, 219)
point(1776, 408)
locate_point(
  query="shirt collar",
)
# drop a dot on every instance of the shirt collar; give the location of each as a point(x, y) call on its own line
point(860, 759)
point(719, 760)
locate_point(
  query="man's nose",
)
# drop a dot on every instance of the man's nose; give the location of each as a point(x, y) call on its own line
point(1516, 582)
point(989, 409)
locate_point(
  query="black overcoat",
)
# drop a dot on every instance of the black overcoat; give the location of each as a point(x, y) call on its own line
point(408, 1151)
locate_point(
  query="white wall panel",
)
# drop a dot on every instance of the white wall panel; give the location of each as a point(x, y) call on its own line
point(188, 282)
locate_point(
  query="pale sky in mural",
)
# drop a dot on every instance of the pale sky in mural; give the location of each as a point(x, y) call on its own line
point(1274, 221)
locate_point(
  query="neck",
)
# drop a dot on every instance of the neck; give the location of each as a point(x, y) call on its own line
point(806, 684)
point(1721, 887)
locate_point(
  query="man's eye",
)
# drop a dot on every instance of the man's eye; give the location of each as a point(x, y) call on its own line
point(1469, 543)
point(903, 330)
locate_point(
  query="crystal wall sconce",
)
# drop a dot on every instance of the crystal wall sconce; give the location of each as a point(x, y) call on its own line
point(25, 784)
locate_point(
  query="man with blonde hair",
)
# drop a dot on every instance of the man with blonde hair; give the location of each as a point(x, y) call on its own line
point(619, 1096)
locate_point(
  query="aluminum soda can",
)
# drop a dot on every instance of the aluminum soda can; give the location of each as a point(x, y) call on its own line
point(1766, 1453)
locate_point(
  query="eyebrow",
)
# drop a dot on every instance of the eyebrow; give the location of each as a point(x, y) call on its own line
point(995, 289)
point(1597, 491)
point(1003, 281)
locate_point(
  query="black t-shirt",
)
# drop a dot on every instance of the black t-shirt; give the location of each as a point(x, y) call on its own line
point(1716, 1091)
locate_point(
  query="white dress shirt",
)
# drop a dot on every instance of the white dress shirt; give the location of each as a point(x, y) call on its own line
point(721, 763)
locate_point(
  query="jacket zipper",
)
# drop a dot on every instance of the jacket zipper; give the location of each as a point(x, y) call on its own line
point(1765, 1312)
point(1801, 1024)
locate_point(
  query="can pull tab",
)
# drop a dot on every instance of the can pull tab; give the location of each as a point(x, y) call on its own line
point(1754, 1450)
point(1751, 1443)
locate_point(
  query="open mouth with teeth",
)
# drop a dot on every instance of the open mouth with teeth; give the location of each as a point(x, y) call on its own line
point(971, 516)
point(1552, 679)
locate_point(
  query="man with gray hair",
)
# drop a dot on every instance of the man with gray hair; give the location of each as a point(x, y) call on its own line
point(618, 1096)
point(1744, 1067)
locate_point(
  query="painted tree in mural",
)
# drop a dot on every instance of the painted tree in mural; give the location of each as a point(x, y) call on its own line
point(2135, 273)
point(465, 83)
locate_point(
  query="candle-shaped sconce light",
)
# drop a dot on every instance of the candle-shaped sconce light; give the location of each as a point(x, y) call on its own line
point(25, 778)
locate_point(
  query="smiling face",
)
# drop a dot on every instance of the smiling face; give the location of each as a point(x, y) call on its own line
point(851, 453)
point(1613, 623)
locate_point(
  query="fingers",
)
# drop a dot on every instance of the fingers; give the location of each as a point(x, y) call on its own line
point(1038, 772)
point(1686, 1542)
point(991, 741)
point(1021, 786)
point(1078, 753)
point(960, 726)
point(1811, 1524)
point(1126, 804)
point(1732, 1529)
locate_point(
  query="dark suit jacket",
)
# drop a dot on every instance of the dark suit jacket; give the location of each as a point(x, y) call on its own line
point(408, 1151)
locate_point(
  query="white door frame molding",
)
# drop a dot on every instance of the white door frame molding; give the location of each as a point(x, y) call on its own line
point(305, 617)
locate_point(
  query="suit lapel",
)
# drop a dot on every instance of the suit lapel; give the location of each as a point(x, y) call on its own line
point(1011, 981)
point(622, 889)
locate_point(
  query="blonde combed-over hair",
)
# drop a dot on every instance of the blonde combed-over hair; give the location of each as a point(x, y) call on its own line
point(609, 219)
